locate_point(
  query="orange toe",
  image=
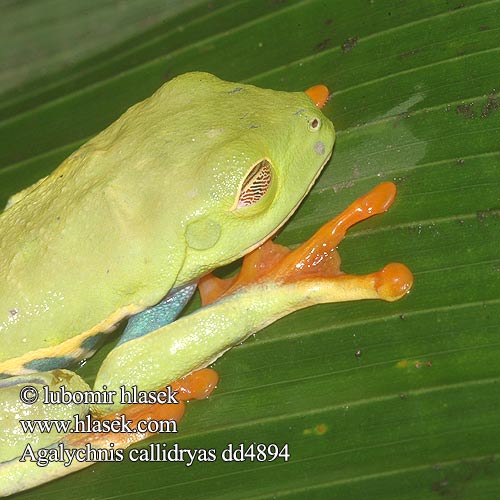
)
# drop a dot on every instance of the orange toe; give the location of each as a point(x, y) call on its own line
point(393, 281)
point(319, 94)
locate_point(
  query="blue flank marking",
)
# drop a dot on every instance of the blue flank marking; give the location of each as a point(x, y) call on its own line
point(159, 315)
point(90, 344)
point(49, 363)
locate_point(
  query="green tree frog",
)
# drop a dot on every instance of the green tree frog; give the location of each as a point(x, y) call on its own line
point(199, 174)
point(188, 180)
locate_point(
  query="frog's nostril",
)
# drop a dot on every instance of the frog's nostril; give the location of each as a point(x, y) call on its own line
point(314, 124)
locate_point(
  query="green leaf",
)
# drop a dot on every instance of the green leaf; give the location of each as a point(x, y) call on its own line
point(376, 400)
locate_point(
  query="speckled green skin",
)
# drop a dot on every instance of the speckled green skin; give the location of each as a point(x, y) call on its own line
point(149, 204)
point(12, 439)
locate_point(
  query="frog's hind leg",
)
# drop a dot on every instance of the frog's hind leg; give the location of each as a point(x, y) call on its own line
point(17, 475)
point(159, 315)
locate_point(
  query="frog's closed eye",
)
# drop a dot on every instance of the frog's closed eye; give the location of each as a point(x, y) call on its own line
point(255, 184)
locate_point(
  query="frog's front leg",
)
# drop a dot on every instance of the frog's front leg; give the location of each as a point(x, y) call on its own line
point(259, 296)
point(274, 282)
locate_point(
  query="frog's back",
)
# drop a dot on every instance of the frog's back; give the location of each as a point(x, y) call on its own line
point(72, 265)
point(85, 247)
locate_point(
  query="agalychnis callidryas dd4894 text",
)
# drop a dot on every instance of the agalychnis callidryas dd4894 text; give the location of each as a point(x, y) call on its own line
point(199, 174)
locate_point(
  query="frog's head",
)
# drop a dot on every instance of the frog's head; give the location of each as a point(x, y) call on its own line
point(260, 151)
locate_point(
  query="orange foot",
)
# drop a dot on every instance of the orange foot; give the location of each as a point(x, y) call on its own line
point(315, 265)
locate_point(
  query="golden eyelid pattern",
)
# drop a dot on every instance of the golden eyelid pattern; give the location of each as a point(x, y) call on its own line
point(256, 184)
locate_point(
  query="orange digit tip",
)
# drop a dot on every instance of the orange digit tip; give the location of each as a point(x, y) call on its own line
point(196, 385)
point(393, 282)
point(319, 94)
point(379, 199)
